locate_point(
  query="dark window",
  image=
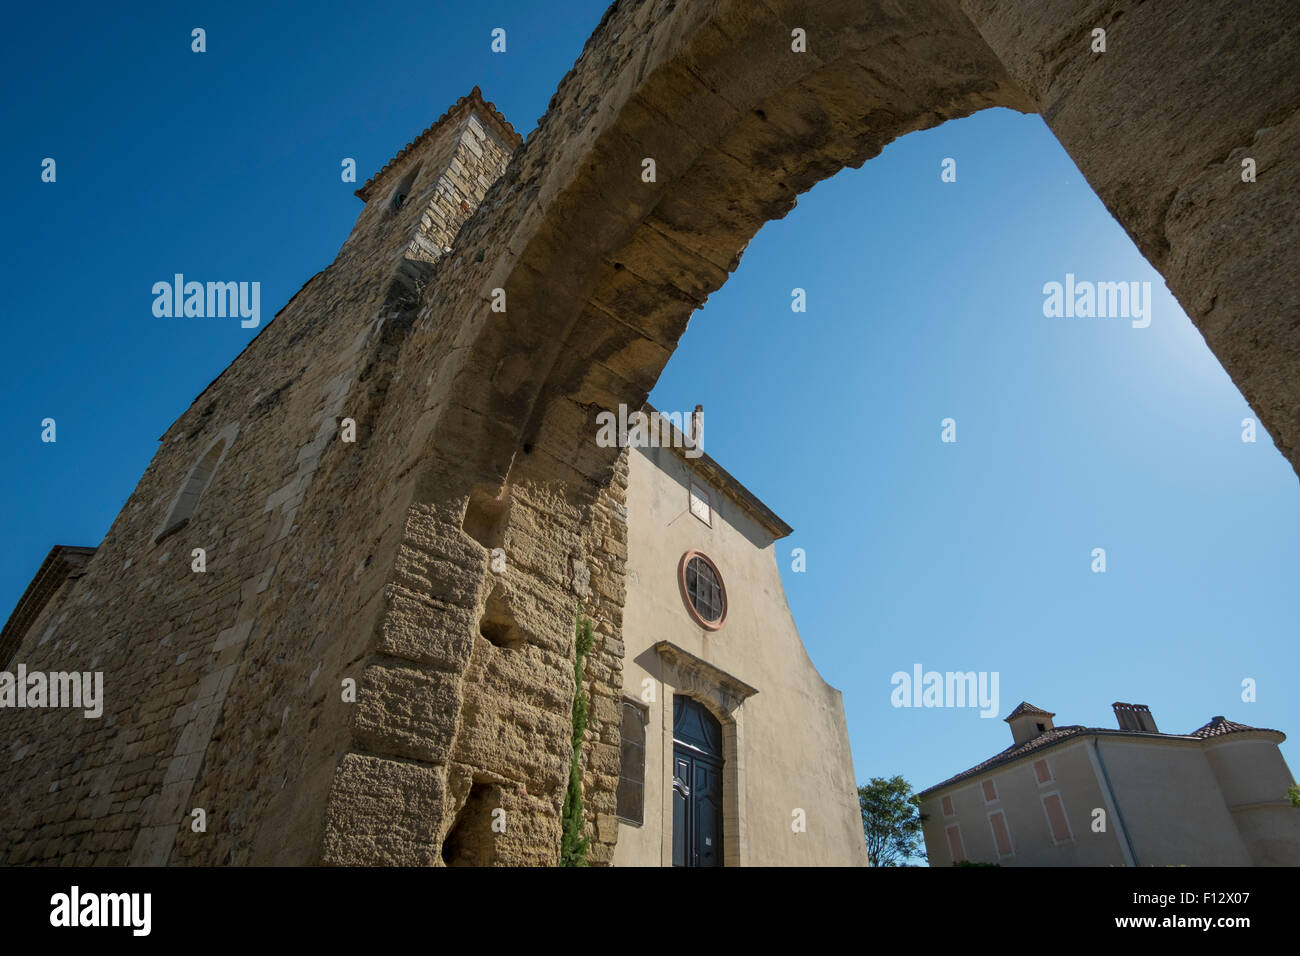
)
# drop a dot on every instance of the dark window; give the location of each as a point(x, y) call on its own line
point(704, 587)
point(1042, 728)
point(403, 191)
point(631, 774)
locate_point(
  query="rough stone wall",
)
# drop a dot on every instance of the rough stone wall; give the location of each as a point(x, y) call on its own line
point(223, 688)
point(603, 268)
point(605, 548)
point(54, 580)
point(467, 696)
point(497, 410)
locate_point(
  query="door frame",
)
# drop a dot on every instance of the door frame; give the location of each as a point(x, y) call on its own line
point(723, 695)
point(735, 844)
point(697, 757)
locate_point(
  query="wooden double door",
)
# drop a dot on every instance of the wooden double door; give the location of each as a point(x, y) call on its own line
point(697, 785)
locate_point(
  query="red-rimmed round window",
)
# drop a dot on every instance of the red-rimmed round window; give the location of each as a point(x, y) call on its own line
point(703, 590)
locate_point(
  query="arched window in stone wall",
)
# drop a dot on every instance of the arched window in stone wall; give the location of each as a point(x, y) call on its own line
point(196, 482)
point(403, 191)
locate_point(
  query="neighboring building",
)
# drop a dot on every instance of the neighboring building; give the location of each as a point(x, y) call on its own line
point(1092, 796)
point(735, 751)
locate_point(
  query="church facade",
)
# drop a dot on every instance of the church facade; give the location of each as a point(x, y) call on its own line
point(735, 751)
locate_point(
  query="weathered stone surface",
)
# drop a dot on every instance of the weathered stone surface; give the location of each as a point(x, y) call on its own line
point(223, 689)
point(384, 812)
point(407, 713)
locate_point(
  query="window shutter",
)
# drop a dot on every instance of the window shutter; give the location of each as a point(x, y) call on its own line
point(631, 776)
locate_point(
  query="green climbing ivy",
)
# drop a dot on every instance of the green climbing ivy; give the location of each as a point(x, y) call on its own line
point(573, 845)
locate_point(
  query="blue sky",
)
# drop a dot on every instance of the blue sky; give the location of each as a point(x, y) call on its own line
point(924, 302)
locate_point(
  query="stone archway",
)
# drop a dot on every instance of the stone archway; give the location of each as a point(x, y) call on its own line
point(601, 270)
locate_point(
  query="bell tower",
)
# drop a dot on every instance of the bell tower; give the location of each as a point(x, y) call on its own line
point(418, 201)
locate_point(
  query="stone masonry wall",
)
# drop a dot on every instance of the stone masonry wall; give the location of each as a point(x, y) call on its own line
point(223, 688)
point(496, 413)
point(602, 268)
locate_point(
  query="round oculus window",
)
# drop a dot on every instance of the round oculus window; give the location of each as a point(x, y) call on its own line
point(703, 590)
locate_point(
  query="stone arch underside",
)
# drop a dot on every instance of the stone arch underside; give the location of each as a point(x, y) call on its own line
point(602, 271)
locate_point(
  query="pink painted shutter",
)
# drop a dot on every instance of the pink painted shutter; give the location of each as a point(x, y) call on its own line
point(955, 848)
point(1056, 816)
point(1001, 836)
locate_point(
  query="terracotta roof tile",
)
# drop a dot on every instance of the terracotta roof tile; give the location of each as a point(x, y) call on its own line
point(1015, 751)
point(1027, 708)
point(1217, 727)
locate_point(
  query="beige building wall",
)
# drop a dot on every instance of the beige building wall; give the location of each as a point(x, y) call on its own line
point(1169, 799)
point(1021, 799)
point(1254, 779)
point(786, 746)
point(1172, 804)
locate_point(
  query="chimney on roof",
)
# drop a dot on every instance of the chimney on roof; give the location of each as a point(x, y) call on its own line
point(1028, 722)
point(1135, 717)
point(697, 428)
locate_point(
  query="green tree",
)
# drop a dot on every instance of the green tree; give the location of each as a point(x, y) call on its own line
point(573, 845)
point(1293, 794)
point(891, 818)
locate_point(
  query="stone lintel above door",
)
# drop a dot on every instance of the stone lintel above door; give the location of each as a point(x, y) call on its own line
point(695, 673)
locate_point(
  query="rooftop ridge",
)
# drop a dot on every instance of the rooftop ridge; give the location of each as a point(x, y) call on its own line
point(458, 109)
point(1217, 727)
point(1025, 707)
point(62, 562)
point(710, 470)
